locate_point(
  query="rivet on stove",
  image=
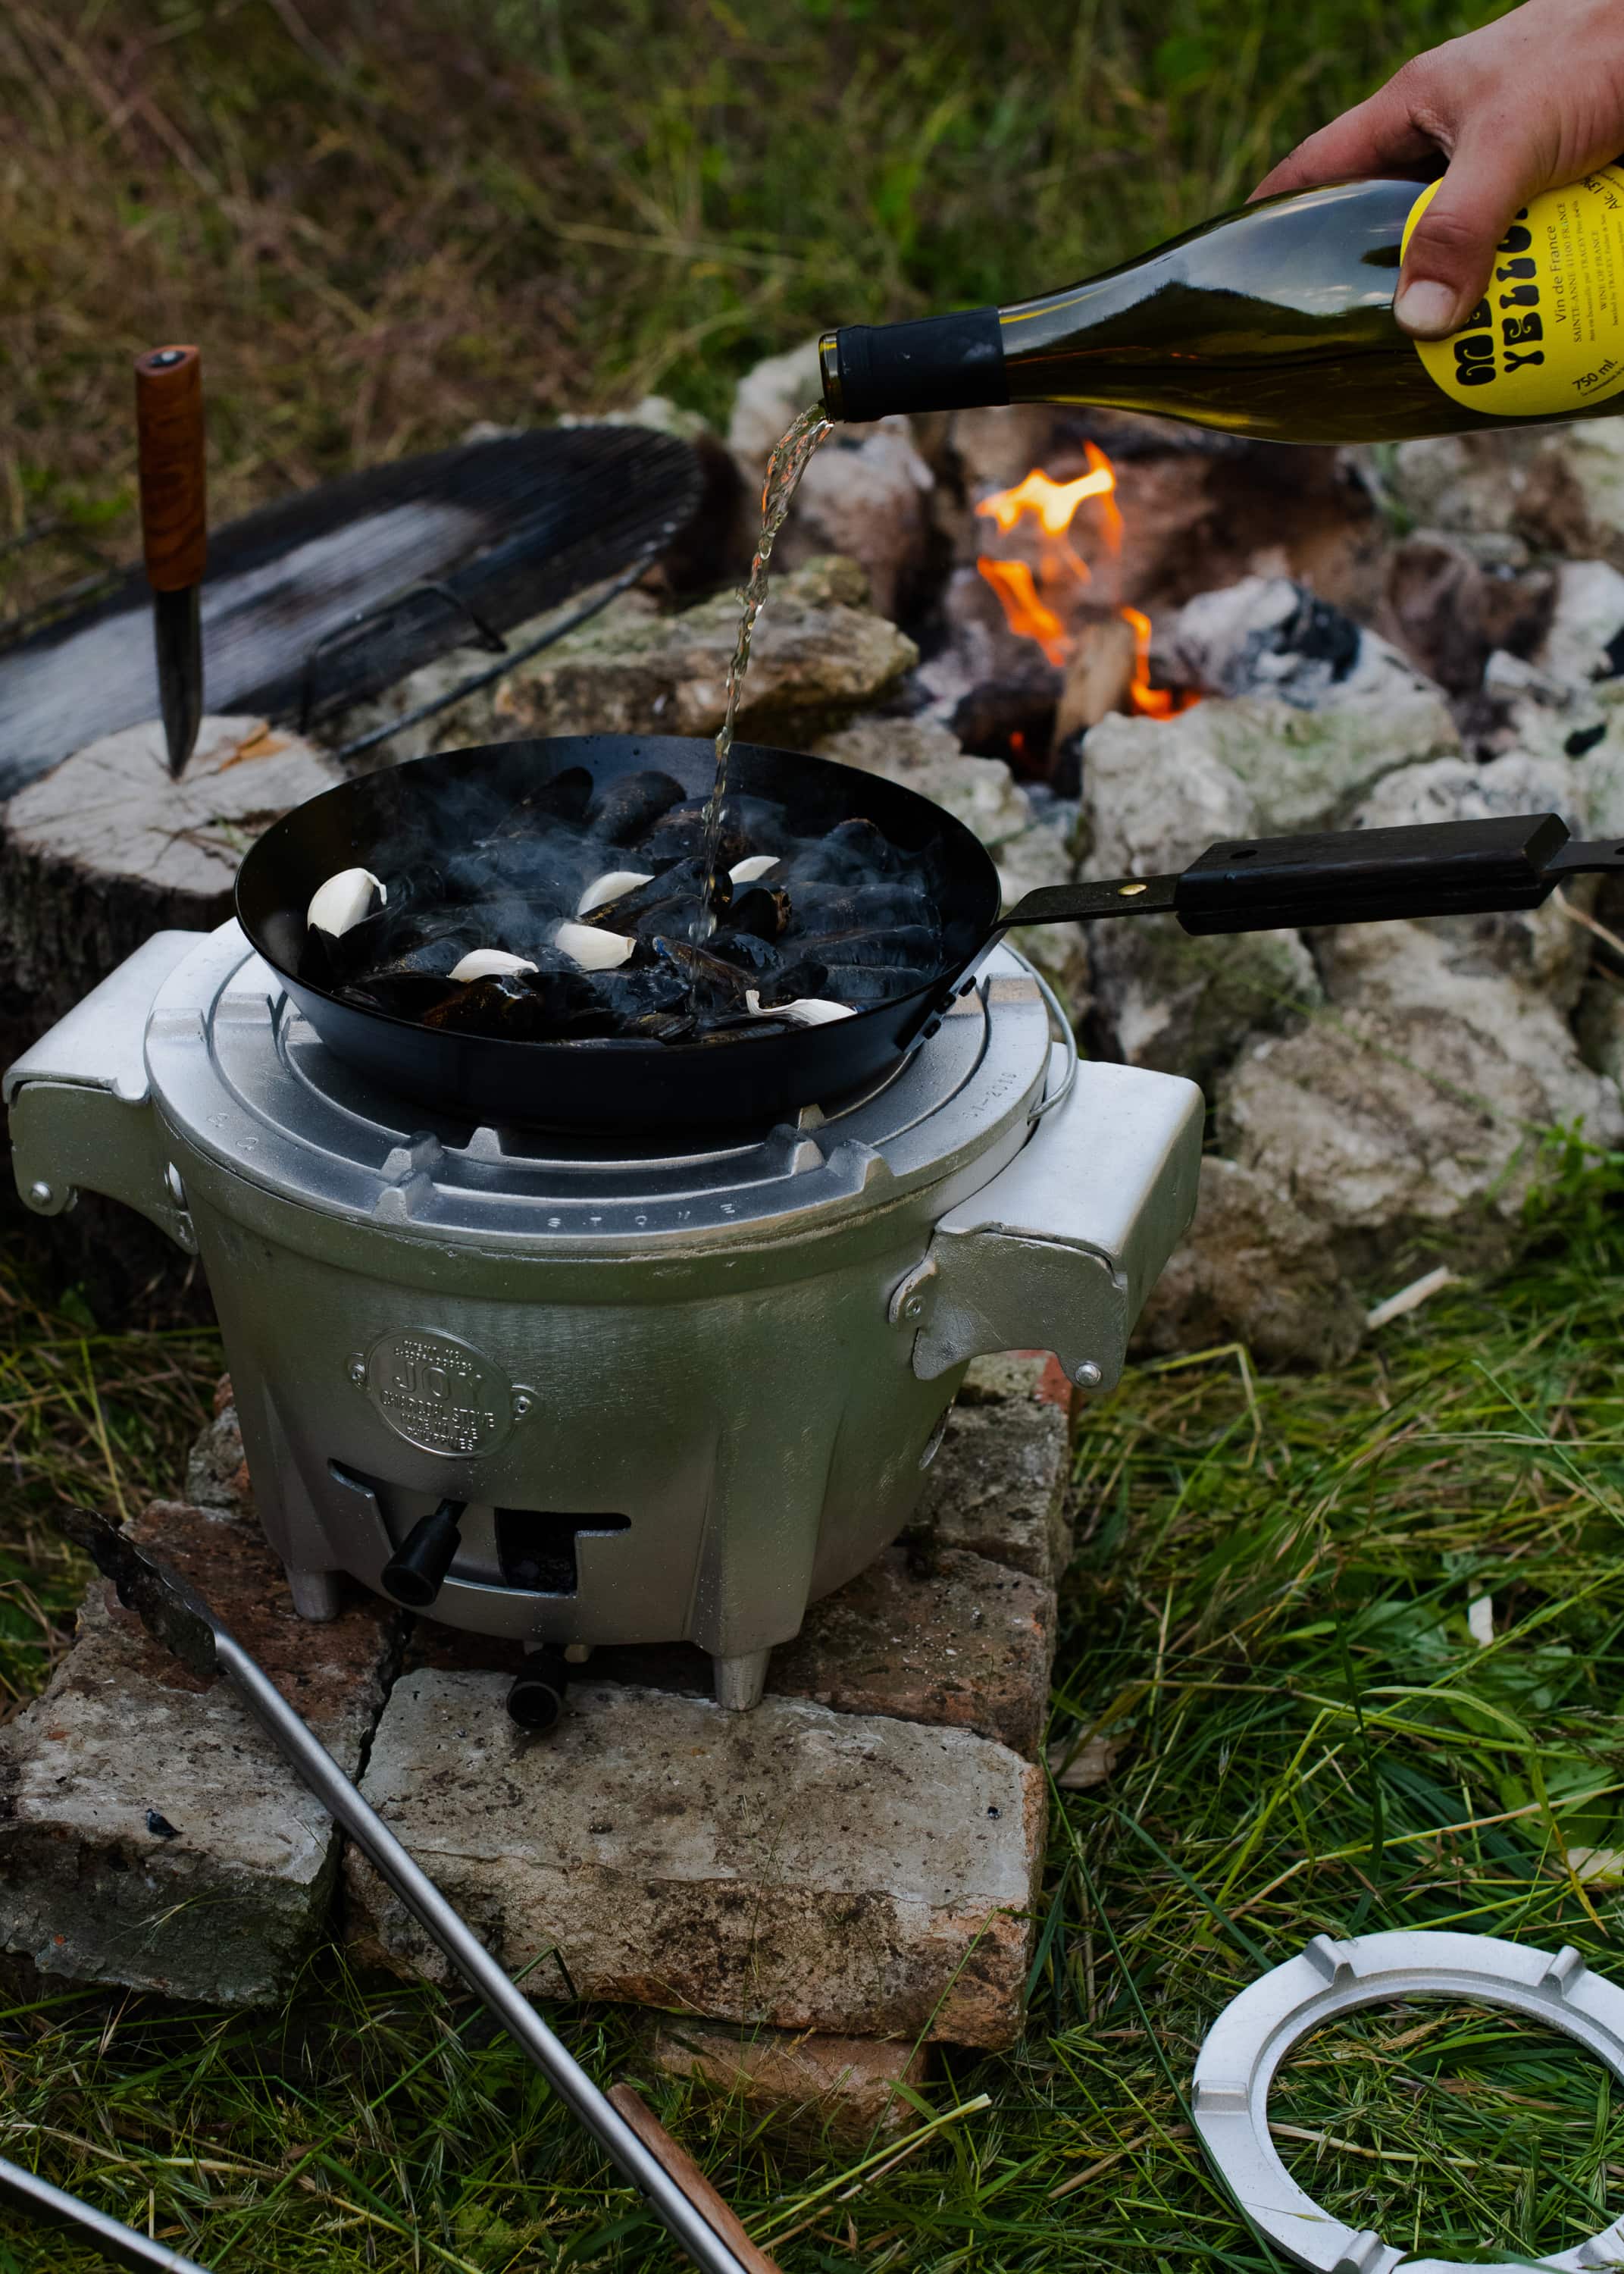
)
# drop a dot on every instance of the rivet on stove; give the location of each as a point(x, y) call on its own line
point(522, 1404)
point(41, 1194)
point(174, 1186)
point(1089, 1376)
point(914, 1308)
point(357, 1372)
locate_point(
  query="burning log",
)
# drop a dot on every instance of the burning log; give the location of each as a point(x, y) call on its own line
point(1049, 597)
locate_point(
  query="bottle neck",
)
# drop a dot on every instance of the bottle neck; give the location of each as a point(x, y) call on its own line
point(940, 363)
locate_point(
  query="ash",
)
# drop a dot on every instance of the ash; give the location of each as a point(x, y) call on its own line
point(840, 918)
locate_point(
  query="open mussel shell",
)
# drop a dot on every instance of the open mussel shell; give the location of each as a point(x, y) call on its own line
point(668, 902)
point(763, 910)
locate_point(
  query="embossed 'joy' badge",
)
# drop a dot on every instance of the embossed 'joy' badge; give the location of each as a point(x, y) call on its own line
point(439, 1392)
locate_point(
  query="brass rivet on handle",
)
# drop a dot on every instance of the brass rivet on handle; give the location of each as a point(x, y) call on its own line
point(1126, 892)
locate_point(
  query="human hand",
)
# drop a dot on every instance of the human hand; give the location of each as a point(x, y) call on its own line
point(1527, 103)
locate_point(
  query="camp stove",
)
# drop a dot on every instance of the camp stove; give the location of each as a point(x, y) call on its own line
point(623, 1395)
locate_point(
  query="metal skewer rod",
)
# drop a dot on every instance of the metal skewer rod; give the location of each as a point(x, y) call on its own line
point(126, 2245)
point(487, 1980)
point(174, 1612)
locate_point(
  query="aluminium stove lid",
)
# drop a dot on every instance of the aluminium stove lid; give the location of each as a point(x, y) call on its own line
point(240, 1077)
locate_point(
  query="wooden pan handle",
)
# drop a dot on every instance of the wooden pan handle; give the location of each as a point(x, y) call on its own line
point(168, 424)
point(690, 2178)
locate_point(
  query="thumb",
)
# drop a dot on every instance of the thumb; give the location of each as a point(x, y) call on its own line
point(1451, 252)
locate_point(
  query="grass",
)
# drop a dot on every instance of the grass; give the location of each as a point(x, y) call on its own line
point(384, 220)
point(1268, 1615)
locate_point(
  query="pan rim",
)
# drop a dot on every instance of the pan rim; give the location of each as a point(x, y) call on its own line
point(947, 976)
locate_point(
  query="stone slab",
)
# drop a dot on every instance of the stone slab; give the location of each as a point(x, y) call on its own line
point(792, 1866)
point(845, 2086)
point(930, 1635)
point(997, 1487)
point(150, 1835)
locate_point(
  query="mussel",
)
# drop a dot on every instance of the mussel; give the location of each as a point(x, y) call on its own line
point(623, 810)
point(669, 901)
point(762, 909)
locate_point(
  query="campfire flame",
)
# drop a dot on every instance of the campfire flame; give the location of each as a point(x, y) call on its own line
point(1053, 507)
point(1032, 618)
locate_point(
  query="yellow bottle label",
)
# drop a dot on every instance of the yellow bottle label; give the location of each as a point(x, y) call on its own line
point(1548, 338)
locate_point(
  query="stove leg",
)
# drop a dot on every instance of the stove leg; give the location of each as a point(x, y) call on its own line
point(739, 1682)
point(315, 1593)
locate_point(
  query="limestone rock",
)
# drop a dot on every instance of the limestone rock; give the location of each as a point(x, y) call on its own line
point(1269, 636)
point(848, 2087)
point(948, 1638)
point(924, 756)
point(769, 398)
point(1305, 768)
point(1182, 1006)
point(1155, 794)
point(1586, 638)
point(1598, 1024)
point(1415, 1107)
point(151, 1835)
point(1559, 490)
point(866, 496)
point(1450, 611)
point(1042, 855)
point(1586, 499)
point(791, 1866)
point(1543, 946)
point(1253, 1269)
point(997, 1488)
point(460, 726)
point(633, 671)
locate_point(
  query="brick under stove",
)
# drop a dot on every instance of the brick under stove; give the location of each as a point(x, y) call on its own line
point(858, 1858)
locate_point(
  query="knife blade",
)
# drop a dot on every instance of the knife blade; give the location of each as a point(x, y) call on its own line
point(169, 419)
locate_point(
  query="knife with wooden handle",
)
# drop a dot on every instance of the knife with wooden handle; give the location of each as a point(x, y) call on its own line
point(169, 419)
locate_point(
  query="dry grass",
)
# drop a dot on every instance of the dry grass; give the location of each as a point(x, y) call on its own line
point(385, 221)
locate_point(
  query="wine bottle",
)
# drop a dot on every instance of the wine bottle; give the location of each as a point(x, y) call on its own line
point(1277, 321)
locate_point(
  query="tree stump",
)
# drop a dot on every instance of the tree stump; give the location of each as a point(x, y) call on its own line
point(95, 857)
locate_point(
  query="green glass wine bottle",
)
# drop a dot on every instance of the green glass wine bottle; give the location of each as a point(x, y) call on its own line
point(1277, 321)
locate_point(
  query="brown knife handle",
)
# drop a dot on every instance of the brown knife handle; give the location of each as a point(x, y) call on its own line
point(168, 424)
point(687, 2175)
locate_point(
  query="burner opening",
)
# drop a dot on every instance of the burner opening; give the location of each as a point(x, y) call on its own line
point(536, 1548)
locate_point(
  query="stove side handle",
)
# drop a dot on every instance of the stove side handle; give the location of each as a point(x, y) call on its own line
point(1060, 1250)
point(81, 1110)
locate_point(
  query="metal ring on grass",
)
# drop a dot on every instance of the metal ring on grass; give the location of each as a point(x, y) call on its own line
point(1246, 2046)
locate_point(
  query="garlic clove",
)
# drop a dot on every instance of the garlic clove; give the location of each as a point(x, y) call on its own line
point(339, 905)
point(490, 963)
point(812, 1011)
point(592, 949)
point(609, 887)
point(805, 1010)
point(751, 871)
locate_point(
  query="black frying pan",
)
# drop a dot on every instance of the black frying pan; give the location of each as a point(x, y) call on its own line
point(642, 1087)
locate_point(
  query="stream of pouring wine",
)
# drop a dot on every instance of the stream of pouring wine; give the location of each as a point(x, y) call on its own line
point(785, 469)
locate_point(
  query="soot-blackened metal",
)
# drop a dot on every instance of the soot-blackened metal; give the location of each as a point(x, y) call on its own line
point(712, 1378)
